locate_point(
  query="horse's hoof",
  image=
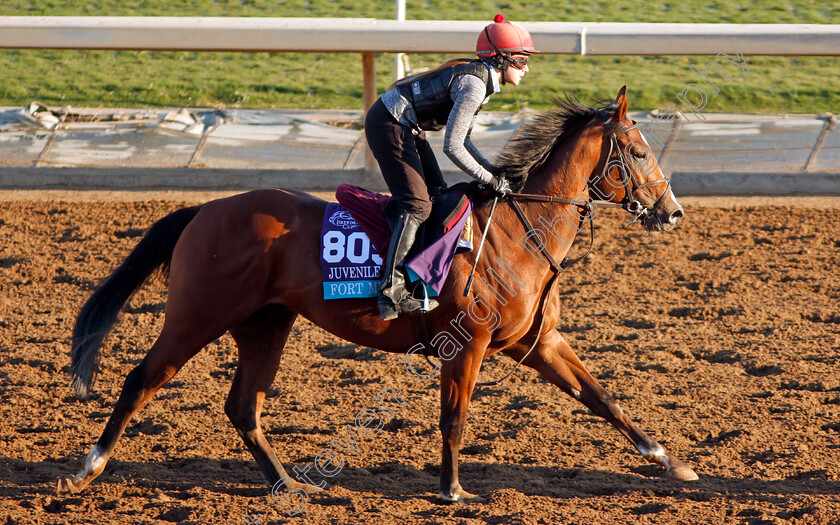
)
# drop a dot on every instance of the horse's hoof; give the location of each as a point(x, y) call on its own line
point(69, 485)
point(311, 489)
point(461, 496)
point(679, 471)
point(306, 487)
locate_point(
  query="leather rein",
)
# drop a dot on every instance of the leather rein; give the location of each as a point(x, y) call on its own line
point(629, 203)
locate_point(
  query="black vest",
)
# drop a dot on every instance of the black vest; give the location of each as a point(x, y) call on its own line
point(429, 96)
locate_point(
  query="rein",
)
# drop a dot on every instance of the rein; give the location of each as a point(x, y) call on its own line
point(629, 203)
point(556, 267)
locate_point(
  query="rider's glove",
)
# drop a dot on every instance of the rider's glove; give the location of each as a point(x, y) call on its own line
point(501, 186)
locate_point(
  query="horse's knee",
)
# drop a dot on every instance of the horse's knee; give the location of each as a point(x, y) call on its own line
point(601, 402)
point(451, 428)
point(242, 415)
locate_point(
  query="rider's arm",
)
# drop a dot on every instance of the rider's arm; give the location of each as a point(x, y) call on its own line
point(476, 154)
point(468, 93)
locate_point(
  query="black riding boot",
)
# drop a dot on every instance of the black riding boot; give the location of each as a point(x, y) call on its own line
point(393, 297)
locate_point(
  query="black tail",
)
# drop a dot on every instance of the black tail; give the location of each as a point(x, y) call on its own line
point(100, 312)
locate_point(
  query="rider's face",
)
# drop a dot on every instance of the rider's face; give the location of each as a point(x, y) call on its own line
point(517, 70)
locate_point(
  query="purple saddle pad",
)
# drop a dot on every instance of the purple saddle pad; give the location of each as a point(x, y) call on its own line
point(432, 264)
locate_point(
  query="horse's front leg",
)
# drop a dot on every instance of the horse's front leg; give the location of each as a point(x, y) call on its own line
point(457, 381)
point(555, 360)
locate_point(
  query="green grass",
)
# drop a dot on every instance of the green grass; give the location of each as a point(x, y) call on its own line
point(315, 80)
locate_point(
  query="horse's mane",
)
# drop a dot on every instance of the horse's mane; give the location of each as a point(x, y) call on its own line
point(541, 134)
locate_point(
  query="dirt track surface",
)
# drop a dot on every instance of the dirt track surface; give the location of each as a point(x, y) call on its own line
point(722, 339)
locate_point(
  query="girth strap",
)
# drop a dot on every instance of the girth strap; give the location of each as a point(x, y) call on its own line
point(421, 332)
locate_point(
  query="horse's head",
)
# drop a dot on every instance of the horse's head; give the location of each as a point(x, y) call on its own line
point(631, 175)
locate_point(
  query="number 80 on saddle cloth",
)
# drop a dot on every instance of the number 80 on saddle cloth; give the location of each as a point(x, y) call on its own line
point(350, 260)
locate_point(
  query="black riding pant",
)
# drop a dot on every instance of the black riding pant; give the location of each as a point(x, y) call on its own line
point(407, 162)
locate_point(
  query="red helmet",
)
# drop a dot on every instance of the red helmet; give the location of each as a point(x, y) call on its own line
point(505, 37)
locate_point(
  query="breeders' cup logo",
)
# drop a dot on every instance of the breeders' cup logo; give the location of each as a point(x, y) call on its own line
point(343, 220)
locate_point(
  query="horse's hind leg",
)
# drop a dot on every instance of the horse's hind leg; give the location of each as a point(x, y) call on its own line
point(169, 353)
point(555, 360)
point(260, 339)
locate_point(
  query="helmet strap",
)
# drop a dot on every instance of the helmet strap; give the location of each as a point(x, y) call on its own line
point(504, 59)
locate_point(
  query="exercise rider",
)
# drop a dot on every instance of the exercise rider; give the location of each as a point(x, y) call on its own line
point(451, 96)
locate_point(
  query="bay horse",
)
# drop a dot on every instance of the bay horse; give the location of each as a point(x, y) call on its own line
point(248, 265)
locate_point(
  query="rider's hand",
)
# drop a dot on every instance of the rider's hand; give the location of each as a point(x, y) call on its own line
point(500, 186)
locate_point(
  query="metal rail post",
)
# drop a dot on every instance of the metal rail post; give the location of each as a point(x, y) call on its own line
point(830, 123)
point(369, 96)
point(675, 123)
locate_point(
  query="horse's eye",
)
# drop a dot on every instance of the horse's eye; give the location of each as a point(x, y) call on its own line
point(640, 155)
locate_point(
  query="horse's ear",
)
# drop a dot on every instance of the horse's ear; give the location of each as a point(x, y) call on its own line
point(621, 100)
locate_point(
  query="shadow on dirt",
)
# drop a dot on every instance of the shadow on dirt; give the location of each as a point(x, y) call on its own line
point(399, 482)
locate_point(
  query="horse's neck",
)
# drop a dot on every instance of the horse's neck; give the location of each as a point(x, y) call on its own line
point(565, 174)
point(567, 169)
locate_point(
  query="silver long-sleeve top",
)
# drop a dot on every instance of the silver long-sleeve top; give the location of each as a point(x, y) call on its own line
point(468, 95)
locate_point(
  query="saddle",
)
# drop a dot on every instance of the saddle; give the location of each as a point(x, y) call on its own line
point(440, 236)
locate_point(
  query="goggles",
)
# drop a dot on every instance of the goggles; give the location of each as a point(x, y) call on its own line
point(519, 62)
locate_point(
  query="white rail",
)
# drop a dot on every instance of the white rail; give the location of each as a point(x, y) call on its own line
point(367, 35)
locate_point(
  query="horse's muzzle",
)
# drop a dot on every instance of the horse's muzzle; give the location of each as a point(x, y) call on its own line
point(664, 215)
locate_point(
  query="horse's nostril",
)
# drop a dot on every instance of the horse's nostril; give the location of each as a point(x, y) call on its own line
point(675, 216)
